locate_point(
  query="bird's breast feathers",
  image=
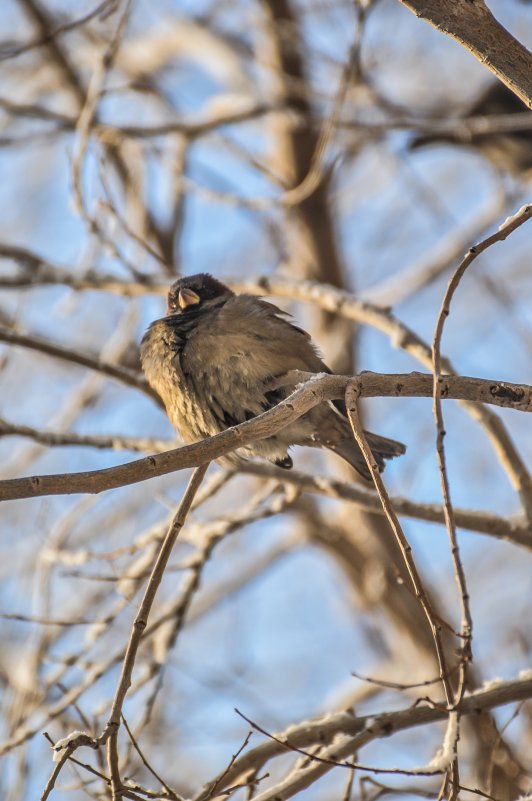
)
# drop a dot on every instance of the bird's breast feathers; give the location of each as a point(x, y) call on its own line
point(212, 370)
point(213, 360)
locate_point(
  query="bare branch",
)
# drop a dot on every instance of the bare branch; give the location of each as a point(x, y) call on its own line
point(351, 398)
point(55, 439)
point(129, 377)
point(517, 532)
point(471, 23)
point(320, 389)
point(361, 731)
point(346, 305)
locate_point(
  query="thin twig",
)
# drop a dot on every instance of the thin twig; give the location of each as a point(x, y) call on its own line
point(330, 761)
point(351, 399)
point(171, 793)
point(235, 756)
point(54, 439)
point(394, 685)
point(517, 531)
point(141, 620)
point(466, 619)
point(50, 784)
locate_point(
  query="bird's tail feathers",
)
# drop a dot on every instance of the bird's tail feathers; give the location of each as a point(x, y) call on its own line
point(381, 447)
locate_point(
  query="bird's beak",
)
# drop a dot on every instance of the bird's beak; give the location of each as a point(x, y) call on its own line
point(187, 297)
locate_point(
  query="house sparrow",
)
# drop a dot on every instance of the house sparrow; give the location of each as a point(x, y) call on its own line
point(510, 151)
point(212, 359)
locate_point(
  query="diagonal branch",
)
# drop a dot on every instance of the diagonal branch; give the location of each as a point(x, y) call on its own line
point(362, 731)
point(344, 304)
point(515, 531)
point(472, 24)
point(131, 378)
point(351, 401)
point(140, 623)
point(321, 388)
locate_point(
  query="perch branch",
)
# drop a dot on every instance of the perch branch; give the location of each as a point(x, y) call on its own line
point(319, 389)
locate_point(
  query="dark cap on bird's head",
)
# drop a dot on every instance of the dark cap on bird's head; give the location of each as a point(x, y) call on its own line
point(193, 290)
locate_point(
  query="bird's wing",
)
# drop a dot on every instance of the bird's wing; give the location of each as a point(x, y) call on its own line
point(232, 356)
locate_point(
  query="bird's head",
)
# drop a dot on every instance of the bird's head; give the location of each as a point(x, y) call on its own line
point(195, 291)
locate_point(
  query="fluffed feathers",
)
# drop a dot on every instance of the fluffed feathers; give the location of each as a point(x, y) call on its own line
point(213, 358)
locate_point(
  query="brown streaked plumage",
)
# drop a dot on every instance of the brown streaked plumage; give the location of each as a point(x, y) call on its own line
point(212, 359)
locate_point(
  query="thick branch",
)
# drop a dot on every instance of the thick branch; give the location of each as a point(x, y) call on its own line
point(319, 389)
point(473, 25)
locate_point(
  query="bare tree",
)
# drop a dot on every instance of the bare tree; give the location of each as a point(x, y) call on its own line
point(175, 629)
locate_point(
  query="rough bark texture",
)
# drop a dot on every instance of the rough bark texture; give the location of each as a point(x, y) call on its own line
point(472, 24)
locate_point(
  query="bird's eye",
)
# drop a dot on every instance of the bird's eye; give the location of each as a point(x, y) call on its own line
point(172, 305)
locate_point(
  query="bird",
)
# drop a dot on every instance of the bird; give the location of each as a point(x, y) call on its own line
point(510, 151)
point(213, 360)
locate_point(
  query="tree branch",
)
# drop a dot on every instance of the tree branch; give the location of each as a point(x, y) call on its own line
point(472, 24)
point(131, 378)
point(319, 389)
point(362, 730)
point(139, 626)
point(519, 533)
